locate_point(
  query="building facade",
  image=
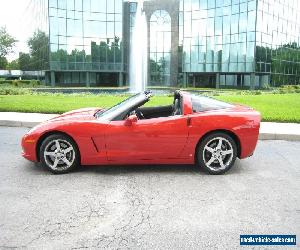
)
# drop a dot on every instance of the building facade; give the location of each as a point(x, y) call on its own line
point(86, 42)
point(191, 43)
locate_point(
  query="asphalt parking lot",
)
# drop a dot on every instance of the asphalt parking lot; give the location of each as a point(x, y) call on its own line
point(147, 207)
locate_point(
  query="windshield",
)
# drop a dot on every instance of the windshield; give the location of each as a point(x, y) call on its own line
point(120, 108)
point(202, 103)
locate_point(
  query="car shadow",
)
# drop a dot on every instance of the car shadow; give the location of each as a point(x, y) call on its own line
point(36, 168)
point(143, 169)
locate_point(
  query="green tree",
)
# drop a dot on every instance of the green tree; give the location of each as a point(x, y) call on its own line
point(3, 62)
point(25, 61)
point(285, 64)
point(39, 50)
point(13, 65)
point(7, 42)
point(75, 58)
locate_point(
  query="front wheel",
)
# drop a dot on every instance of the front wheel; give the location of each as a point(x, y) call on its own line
point(59, 154)
point(217, 153)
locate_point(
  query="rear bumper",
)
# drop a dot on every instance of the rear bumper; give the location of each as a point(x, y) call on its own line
point(249, 141)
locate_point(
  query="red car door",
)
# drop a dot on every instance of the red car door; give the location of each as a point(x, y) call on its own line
point(149, 139)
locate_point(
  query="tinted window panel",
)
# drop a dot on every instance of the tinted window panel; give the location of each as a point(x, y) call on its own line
point(201, 103)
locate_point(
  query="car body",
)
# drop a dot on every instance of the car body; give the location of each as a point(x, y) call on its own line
point(130, 133)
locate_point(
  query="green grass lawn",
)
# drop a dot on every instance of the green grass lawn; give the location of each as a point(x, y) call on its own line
point(63, 103)
point(273, 107)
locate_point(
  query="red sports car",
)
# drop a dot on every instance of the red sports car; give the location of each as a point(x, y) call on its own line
point(193, 129)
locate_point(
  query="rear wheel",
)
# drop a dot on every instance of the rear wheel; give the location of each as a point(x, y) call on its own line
point(217, 153)
point(59, 154)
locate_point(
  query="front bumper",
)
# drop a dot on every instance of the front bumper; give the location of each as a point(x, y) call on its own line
point(28, 144)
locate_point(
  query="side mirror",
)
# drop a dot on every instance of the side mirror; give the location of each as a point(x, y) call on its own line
point(130, 120)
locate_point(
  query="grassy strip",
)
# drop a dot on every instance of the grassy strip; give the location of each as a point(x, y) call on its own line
point(273, 107)
point(61, 103)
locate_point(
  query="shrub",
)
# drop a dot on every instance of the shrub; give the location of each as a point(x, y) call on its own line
point(257, 92)
point(266, 86)
point(21, 83)
point(5, 81)
point(290, 88)
point(14, 91)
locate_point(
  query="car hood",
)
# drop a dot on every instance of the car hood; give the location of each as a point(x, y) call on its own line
point(78, 114)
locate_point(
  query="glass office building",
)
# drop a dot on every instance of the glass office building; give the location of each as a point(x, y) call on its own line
point(195, 43)
point(218, 39)
point(86, 42)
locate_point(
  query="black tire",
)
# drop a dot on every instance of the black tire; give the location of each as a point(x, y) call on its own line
point(210, 155)
point(59, 158)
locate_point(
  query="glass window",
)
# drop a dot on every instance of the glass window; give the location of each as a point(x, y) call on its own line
point(187, 24)
point(62, 26)
point(110, 33)
point(78, 5)
point(210, 27)
point(218, 26)
point(227, 2)
point(96, 5)
point(251, 21)
point(118, 6)
point(243, 7)
point(62, 4)
point(86, 5)
point(243, 22)
point(203, 4)
point(234, 23)
point(211, 4)
point(251, 5)
point(160, 46)
point(219, 3)
point(202, 103)
point(226, 24)
point(52, 12)
point(53, 3)
point(70, 5)
point(110, 17)
point(227, 10)
point(61, 13)
point(110, 6)
point(195, 4)
point(235, 9)
point(54, 26)
point(250, 51)
point(219, 11)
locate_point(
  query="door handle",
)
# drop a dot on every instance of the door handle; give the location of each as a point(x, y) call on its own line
point(188, 121)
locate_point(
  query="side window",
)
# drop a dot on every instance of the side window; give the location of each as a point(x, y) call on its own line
point(196, 105)
point(202, 103)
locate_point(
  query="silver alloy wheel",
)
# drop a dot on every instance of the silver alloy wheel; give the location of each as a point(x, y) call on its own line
point(217, 154)
point(59, 154)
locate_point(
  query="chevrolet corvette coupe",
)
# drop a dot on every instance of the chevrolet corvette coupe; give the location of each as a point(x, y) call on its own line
point(193, 129)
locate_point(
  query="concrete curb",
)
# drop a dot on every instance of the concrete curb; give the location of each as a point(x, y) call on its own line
point(268, 130)
point(285, 137)
point(8, 123)
point(15, 119)
point(279, 131)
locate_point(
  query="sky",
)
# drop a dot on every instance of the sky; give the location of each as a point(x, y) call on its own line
point(17, 15)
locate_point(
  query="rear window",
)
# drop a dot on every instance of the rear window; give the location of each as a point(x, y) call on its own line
point(203, 103)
